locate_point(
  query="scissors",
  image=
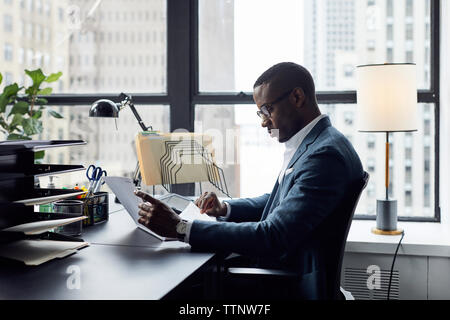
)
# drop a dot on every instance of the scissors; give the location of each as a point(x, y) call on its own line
point(93, 176)
point(98, 184)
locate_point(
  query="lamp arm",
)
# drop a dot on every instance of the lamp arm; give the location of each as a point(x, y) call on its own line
point(136, 114)
point(126, 101)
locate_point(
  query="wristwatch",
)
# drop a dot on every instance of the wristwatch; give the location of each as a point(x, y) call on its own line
point(181, 229)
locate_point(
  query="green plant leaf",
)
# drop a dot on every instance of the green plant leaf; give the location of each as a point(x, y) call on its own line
point(3, 103)
point(37, 114)
point(55, 114)
point(45, 92)
point(31, 126)
point(15, 123)
point(20, 107)
point(11, 90)
point(17, 120)
point(30, 91)
point(41, 102)
point(8, 96)
point(39, 155)
point(37, 76)
point(1, 77)
point(3, 123)
point(15, 136)
point(53, 77)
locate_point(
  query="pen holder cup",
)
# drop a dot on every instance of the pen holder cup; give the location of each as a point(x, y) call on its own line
point(71, 208)
point(96, 209)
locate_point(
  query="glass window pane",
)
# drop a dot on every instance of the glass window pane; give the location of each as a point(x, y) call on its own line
point(252, 160)
point(238, 40)
point(107, 146)
point(100, 46)
point(411, 165)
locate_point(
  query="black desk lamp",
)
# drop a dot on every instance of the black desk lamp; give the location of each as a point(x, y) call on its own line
point(104, 108)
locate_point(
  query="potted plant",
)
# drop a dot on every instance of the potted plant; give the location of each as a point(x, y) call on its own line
point(20, 114)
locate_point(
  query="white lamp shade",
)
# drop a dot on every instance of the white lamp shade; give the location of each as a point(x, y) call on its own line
point(387, 97)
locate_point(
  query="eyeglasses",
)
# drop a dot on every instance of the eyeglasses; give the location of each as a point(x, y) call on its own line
point(265, 111)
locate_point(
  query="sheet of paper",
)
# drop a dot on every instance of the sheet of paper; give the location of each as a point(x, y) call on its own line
point(192, 212)
point(36, 252)
point(124, 188)
point(39, 227)
point(49, 199)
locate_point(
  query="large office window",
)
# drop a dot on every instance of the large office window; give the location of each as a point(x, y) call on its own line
point(239, 39)
point(192, 64)
point(103, 48)
point(250, 158)
point(115, 46)
point(330, 38)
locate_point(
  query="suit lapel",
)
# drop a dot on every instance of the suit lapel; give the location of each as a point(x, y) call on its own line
point(270, 201)
point(309, 139)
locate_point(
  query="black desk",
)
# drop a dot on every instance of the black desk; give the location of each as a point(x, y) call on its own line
point(121, 230)
point(106, 272)
point(122, 262)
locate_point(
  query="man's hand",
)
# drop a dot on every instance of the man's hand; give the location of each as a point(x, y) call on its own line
point(210, 204)
point(157, 216)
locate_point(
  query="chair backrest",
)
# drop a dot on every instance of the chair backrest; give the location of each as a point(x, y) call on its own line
point(340, 223)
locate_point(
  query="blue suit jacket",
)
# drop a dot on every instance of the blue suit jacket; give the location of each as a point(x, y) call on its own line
point(282, 229)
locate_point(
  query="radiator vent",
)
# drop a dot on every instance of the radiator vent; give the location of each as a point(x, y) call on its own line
point(355, 281)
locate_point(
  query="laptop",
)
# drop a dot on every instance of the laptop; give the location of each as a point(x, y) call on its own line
point(124, 188)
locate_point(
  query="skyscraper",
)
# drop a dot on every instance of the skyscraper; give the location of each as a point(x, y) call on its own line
point(343, 34)
point(32, 37)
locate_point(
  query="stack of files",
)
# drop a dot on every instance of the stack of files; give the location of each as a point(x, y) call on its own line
point(174, 157)
point(33, 243)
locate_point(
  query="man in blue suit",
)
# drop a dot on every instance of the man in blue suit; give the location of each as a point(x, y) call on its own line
point(281, 229)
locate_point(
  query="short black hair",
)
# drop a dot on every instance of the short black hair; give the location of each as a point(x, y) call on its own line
point(289, 74)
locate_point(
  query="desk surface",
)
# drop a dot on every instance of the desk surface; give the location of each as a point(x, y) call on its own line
point(105, 272)
point(121, 230)
point(122, 262)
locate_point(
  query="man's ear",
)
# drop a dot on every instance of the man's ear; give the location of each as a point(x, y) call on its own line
point(299, 96)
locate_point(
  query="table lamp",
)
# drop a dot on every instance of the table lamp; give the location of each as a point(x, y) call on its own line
point(387, 102)
point(104, 108)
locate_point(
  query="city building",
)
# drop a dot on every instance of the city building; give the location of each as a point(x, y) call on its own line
point(345, 34)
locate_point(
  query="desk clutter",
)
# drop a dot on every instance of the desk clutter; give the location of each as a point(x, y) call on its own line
point(37, 237)
point(173, 158)
point(61, 215)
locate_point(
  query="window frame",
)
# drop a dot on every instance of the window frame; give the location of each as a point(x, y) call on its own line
point(183, 85)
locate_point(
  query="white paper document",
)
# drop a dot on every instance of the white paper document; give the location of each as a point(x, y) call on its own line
point(48, 199)
point(192, 212)
point(39, 227)
point(36, 252)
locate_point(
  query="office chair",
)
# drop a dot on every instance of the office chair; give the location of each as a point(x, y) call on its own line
point(334, 245)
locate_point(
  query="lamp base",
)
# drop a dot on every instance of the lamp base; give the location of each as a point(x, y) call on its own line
point(387, 233)
point(387, 218)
